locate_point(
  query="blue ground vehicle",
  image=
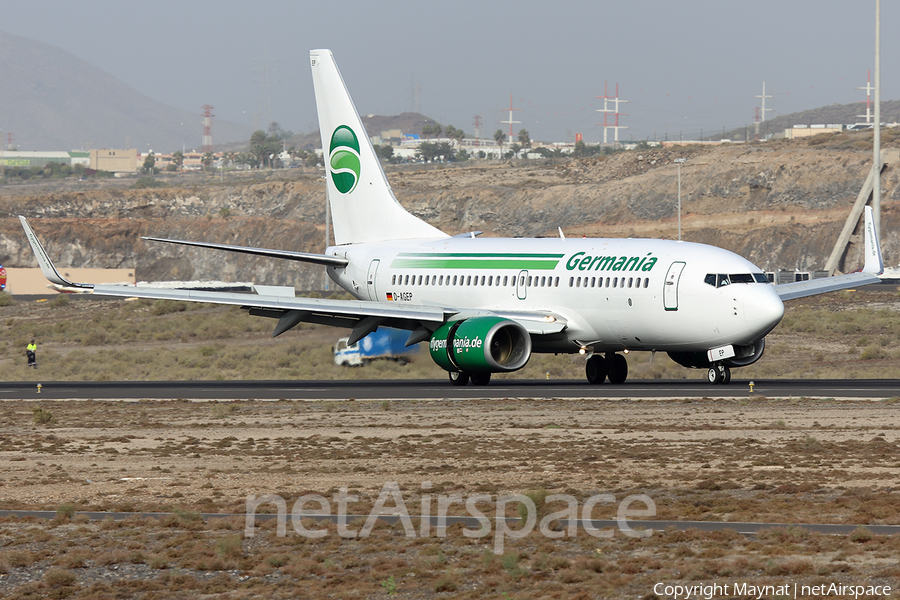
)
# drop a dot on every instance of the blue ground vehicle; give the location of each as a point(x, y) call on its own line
point(384, 343)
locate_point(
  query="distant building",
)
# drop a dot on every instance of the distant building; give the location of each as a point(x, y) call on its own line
point(799, 131)
point(115, 161)
point(27, 159)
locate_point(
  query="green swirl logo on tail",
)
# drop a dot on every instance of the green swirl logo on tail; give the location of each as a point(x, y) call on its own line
point(344, 159)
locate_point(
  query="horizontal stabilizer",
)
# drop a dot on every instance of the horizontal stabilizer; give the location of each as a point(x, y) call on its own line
point(319, 259)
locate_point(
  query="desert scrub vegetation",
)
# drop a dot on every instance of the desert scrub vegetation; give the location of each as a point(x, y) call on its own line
point(41, 416)
point(843, 335)
point(147, 557)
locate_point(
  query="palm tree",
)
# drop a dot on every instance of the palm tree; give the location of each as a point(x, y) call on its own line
point(500, 137)
point(524, 139)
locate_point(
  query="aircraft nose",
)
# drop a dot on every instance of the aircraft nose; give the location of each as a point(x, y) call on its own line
point(763, 309)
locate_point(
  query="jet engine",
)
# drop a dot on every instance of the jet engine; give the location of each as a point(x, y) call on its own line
point(481, 345)
point(744, 356)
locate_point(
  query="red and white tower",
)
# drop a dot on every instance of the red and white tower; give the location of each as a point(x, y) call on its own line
point(207, 127)
point(510, 121)
point(611, 112)
point(869, 88)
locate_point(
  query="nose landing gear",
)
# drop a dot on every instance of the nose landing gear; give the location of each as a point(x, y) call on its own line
point(719, 375)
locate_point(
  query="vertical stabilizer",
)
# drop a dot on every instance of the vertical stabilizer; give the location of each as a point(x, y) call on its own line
point(363, 207)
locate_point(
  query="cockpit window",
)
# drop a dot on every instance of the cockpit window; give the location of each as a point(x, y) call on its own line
point(721, 280)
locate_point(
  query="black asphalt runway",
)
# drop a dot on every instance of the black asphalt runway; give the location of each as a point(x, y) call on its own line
point(441, 389)
point(473, 522)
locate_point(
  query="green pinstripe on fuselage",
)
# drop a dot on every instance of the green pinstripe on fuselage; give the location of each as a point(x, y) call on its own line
point(476, 260)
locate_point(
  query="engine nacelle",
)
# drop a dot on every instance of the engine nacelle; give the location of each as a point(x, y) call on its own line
point(481, 344)
point(744, 356)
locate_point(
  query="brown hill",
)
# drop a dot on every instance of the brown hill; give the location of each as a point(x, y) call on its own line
point(53, 100)
point(779, 204)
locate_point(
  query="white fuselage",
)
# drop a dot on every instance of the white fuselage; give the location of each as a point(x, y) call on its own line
point(615, 294)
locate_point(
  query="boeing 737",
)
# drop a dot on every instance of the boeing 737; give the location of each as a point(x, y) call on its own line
point(485, 305)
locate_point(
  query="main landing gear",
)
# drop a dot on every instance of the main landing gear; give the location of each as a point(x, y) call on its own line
point(613, 367)
point(462, 378)
point(719, 374)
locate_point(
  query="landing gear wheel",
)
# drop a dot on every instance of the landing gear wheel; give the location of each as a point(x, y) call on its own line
point(719, 374)
point(459, 378)
point(481, 378)
point(618, 368)
point(595, 369)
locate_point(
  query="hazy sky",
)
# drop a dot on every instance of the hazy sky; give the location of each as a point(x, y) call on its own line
point(682, 65)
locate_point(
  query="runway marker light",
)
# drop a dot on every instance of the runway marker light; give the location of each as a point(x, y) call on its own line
point(39, 388)
point(751, 387)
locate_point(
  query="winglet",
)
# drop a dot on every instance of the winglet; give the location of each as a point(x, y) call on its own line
point(874, 262)
point(44, 261)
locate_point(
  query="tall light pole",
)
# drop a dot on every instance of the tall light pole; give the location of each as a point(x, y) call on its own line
point(679, 162)
point(876, 142)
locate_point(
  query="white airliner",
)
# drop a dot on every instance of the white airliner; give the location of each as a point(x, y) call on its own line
point(485, 305)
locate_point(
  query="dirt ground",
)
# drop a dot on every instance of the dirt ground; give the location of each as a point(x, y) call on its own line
point(157, 455)
point(759, 459)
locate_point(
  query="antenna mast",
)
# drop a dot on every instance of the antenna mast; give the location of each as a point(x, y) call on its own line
point(207, 127)
point(511, 109)
point(607, 111)
point(868, 88)
point(476, 123)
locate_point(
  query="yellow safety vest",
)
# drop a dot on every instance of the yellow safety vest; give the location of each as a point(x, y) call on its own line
point(31, 347)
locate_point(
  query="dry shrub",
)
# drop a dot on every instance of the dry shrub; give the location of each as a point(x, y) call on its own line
point(795, 566)
point(59, 577)
point(115, 557)
point(41, 416)
point(229, 547)
point(861, 535)
point(573, 575)
point(20, 558)
point(446, 583)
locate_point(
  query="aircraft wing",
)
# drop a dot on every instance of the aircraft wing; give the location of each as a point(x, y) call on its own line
point(874, 266)
point(319, 259)
point(363, 317)
point(800, 289)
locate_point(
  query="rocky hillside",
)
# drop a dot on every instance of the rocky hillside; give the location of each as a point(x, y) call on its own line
point(779, 204)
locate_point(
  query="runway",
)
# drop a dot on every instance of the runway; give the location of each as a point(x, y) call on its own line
point(475, 523)
point(877, 389)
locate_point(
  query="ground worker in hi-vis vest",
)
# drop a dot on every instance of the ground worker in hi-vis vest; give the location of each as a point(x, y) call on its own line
point(29, 352)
